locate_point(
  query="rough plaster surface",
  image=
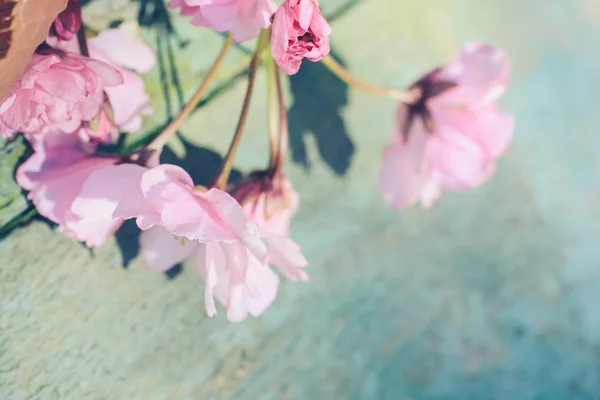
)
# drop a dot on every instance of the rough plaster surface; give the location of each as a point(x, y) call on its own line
point(490, 295)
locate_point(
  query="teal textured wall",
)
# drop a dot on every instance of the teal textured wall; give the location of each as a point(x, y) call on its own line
point(493, 294)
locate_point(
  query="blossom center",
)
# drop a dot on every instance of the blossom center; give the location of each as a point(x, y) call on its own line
point(306, 38)
point(429, 88)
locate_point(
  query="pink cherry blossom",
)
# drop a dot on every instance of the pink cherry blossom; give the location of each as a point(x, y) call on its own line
point(451, 137)
point(75, 189)
point(299, 31)
point(129, 100)
point(56, 93)
point(271, 201)
point(243, 18)
point(213, 230)
point(68, 22)
point(244, 288)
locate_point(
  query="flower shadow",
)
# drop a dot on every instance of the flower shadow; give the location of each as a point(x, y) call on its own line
point(319, 97)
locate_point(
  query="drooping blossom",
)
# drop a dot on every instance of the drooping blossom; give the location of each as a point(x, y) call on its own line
point(244, 289)
point(128, 101)
point(75, 188)
point(68, 22)
point(271, 201)
point(243, 18)
point(299, 31)
point(209, 227)
point(57, 92)
point(451, 137)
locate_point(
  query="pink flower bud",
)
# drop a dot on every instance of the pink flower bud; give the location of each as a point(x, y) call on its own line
point(68, 22)
point(299, 31)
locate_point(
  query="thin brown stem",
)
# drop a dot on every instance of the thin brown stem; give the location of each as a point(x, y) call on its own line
point(283, 124)
point(170, 129)
point(406, 96)
point(272, 108)
point(223, 175)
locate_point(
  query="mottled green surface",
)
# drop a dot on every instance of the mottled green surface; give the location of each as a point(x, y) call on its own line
point(493, 294)
point(12, 203)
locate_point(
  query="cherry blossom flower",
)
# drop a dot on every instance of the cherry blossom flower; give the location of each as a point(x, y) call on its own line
point(243, 18)
point(128, 101)
point(213, 229)
point(244, 285)
point(451, 137)
point(299, 31)
point(68, 22)
point(76, 189)
point(271, 201)
point(57, 92)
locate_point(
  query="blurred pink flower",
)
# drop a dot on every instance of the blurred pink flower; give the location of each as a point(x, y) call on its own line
point(75, 189)
point(243, 18)
point(68, 22)
point(299, 30)
point(212, 226)
point(271, 201)
point(56, 93)
point(129, 100)
point(451, 137)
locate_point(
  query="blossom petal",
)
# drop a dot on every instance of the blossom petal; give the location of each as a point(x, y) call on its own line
point(125, 50)
point(162, 250)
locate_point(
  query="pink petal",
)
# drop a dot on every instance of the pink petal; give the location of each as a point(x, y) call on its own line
point(128, 101)
point(163, 250)
point(210, 260)
point(260, 288)
point(404, 170)
point(305, 13)
point(286, 255)
point(125, 50)
point(106, 187)
point(482, 72)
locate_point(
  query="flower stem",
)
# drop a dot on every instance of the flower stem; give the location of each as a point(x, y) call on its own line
point(170, 129)
point(82, 40)
point(272, 106)
point(283, 124)
point(223, 175)
point(406, 96)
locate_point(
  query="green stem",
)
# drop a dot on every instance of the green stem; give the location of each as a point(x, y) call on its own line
point(171, 129)
point(283, 124)
point(223, 175)
point(405, 96)
point(272, 108)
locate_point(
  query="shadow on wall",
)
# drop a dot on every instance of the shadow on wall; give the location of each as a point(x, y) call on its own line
point(319, 97)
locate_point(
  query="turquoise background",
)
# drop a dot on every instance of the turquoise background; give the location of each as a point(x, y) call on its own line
point(492, 294)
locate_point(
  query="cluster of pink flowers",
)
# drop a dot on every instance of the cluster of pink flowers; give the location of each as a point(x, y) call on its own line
point(448, 137)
